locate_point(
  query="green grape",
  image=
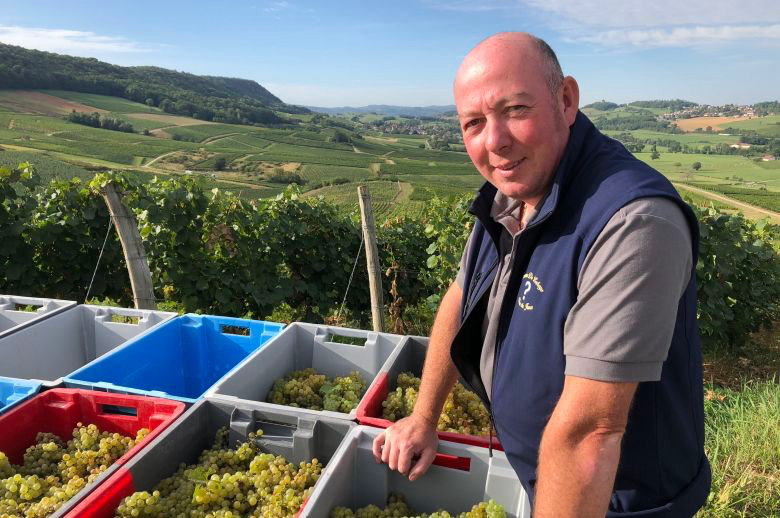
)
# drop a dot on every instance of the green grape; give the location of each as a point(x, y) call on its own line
point(53, 471)
point(228, 483)
point(463, 411)
point(397, 506)
point(307, 389)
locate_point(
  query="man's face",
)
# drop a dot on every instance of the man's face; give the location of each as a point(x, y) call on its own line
point(514, 129)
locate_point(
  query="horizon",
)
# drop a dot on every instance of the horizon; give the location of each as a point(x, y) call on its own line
point(353, 55)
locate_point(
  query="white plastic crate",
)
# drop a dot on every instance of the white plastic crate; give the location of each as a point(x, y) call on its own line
point(460, 477)
point(13, 319)
point(62, 343)
point(301, 346)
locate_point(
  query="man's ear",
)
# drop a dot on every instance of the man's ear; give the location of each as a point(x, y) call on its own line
point(570, 97)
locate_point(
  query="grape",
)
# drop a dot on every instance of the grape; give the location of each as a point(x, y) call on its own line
point(228, 483)
point(308, 389)
point(463, 411)
point(52, 472)
point(397, 506)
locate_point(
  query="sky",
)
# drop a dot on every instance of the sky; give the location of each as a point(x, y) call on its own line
point(406, 52)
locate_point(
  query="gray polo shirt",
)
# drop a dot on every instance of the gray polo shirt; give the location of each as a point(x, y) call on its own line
point(621, 325)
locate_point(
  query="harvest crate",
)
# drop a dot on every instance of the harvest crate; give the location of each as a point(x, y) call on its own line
point(179, 360)
point(301, 346)
point(13, 391)
point(59, 410)
point(13, 318)
point(297, 436)
point(409, 357)
point(460, 477)
point(60, 344)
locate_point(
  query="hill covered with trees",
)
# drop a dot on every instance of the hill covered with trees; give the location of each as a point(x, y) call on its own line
point(210, 98)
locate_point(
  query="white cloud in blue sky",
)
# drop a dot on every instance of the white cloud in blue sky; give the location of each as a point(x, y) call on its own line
point(67, 41)
point(353, 52)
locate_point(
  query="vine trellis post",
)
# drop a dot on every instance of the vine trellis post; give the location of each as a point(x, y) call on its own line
point(132, 247)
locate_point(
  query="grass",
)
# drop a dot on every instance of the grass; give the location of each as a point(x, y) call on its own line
point(768, 126)
point(47, 167)
point(742, 441)
point(766, 199)
point(315, 173)
point(103, 102)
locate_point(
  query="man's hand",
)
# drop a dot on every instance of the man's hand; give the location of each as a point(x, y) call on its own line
point(409, 445)
point(413, 436)
point(580, 449)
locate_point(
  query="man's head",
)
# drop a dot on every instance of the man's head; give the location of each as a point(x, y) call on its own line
point(515, 109)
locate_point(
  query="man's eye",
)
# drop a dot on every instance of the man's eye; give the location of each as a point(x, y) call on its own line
point(471, 123)
point(517, 108)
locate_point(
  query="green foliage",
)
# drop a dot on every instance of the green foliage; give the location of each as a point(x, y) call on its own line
point(218, 99)
point(741, 441)
point(448, 224)
point(738, 277)
point(99, 121)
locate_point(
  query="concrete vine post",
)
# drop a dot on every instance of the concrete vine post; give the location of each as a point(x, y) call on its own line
point(132, 247)
point(372, 259)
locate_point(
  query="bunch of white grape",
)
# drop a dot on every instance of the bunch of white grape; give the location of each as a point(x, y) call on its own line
point(397, 506)
point(52, 472)
point(228, 483)
point(308, 389)
point(463, 411)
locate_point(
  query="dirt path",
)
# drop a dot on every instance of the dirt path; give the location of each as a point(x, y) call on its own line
point(11, 124)
point(214, 138)
point(150, 162)
point(356, 150)
point(404, 192)
point(750, 211)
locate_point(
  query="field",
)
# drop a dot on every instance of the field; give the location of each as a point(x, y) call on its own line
point(767, 126)
point(32, 123)
point(716, 123)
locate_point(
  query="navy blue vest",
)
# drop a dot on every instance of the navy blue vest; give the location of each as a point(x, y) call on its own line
point(663, 471)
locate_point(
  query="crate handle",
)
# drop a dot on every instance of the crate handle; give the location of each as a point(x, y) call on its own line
point(232, 329)
point(341, 338)
point(119, 410)
point(452, 462)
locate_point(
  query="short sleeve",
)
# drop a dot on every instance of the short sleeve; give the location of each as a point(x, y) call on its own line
point(460, 278)
point(620, 328)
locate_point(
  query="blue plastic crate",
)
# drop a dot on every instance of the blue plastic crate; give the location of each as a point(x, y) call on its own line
point(181, 359)
point(14, 391)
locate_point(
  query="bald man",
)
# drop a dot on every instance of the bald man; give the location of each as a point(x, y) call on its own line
point(573, 316)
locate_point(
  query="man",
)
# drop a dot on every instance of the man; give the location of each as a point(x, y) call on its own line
point(574, 313)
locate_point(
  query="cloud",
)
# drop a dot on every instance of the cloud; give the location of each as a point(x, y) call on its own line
point(681, 36)
point(282, 5)
point(472, 5)
point(659, 13)
point(67, 41)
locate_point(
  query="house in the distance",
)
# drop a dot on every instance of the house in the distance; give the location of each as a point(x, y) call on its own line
point(768, 158)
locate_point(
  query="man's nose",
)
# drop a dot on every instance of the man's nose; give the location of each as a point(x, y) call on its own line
point(498, 137)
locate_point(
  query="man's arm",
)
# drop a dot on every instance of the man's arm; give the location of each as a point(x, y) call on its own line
point(580, 448)
point(416, 435)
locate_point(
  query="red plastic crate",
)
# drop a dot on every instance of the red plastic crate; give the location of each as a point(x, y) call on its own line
point(409, 357)
point(59, 410)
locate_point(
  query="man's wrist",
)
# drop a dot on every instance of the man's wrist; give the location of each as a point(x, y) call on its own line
point(427, 418)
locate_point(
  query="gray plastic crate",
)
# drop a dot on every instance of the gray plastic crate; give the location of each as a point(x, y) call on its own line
point(408, 357)
point(301, 346)
point(297, 436)
point(64, 342)
point(12, 320)
point(467, 475)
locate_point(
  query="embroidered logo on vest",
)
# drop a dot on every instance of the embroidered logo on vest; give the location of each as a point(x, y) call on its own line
point(529, 281)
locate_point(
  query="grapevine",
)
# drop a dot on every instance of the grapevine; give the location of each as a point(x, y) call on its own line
point(228, 483)
point(463, 411)
point(397, 506)
point(52, 472)
point(308, 389)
